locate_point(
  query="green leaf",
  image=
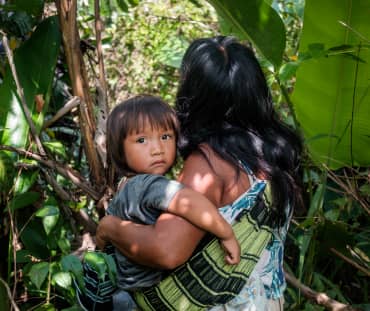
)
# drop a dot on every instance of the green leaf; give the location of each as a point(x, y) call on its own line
point(33, 7)
point(38, 273)
point(49, 222)
point(23, 199)
point(47, 210)
point(71, 263)
point(56, 147)
point(112, 268)
point(35, 63)
point(46, 307)
point(172, 52)
point(331, 96)
point(133, 2)
point(49, 214)
point(97, 261)
point(64, 244)
point(255, 20)
point(287, 71)
point(365, 189)
point(34, 239)
point(25, 181)
point(63, 279)
point(122, 5)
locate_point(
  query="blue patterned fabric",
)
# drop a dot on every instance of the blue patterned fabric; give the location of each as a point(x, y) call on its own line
point(266, 284)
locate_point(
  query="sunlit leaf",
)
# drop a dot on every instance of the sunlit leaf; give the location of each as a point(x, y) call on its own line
point(258, 21)
point(332, 91)
point(56, 147)
point(49, 223)
point(25, 181)
point(97, 261)
point(35, 62)
point(63, 279)
point(47, 210)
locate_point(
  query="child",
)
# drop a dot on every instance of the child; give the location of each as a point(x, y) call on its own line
point(141, 142)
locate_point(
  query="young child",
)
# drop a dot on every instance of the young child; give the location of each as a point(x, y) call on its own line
point(141, 142)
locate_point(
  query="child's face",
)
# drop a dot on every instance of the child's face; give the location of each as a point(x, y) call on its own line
point(150, 151)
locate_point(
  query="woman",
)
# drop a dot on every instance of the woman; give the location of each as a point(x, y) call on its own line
point(228, 123)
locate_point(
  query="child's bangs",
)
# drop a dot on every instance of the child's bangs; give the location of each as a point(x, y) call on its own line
point(153, 117)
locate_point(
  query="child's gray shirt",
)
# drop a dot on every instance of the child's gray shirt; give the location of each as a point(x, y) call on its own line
point(141, 200)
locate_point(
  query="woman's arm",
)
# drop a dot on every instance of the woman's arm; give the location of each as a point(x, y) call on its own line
point(172, 240)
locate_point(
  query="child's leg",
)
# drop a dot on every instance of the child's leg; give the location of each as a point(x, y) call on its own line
point(122, 300)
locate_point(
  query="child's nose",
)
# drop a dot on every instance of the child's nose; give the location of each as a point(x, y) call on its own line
point(157, 149)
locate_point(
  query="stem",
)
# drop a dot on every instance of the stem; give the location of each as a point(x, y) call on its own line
point(72, 103)
point(350, 261)
point(12, 301)
point(319, 298)
point(65, 171)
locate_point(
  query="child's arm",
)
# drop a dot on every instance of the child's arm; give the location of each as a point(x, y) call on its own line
point(198, 210)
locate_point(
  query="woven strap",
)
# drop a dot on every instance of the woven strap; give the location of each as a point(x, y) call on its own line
point(205, 279)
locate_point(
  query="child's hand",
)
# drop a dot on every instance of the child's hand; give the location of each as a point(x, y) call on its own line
point(232, 249)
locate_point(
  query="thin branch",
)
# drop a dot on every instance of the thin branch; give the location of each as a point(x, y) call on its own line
point(72, 103)
point(360, 35)
point(14, 239)
point(14, 305)
point(347, 187)
point(65, 171)
point(318, 298)
point(98, 30)
point(350, 261)
point(102, 98)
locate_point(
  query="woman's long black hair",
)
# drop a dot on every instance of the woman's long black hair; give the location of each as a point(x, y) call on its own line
point(223, 100)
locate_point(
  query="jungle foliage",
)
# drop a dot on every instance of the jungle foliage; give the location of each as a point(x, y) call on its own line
point(64, 64)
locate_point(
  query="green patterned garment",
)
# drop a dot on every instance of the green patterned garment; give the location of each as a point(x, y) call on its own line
point(206, 280)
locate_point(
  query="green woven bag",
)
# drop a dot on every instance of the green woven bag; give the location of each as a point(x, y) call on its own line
point(205, 280)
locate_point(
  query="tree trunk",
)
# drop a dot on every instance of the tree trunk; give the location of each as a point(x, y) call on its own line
point(67, 10)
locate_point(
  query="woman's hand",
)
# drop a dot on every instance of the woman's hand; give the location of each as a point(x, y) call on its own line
point(232, 249)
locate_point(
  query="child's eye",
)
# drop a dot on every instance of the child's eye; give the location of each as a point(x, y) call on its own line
point(140, 140)
point(166, 136)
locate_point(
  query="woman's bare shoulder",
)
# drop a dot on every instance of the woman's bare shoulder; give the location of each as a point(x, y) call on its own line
point(197, 173)
point(206, 172)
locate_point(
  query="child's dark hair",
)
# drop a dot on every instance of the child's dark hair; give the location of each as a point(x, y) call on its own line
point(131, 116)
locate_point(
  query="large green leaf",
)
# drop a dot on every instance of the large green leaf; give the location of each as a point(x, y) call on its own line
point(332, 95)
point(258, 21)
point(38, 273)
point(35, 64)
point(71, 263)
